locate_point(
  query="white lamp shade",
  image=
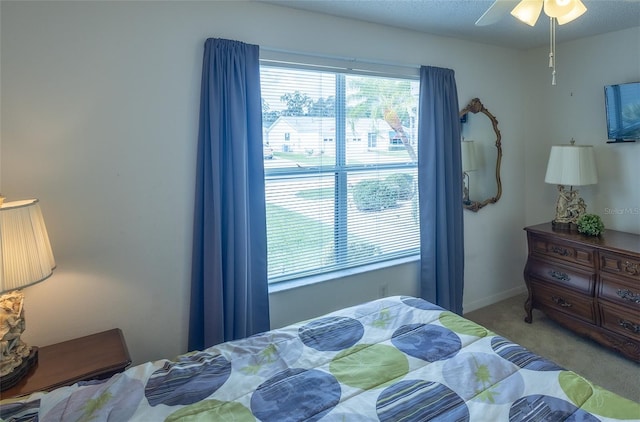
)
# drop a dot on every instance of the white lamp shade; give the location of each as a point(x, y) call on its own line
point(25, 251)
point(528, 11)
point(469, 156)
point(577, 11)
point(557, 8)
point(572, 165)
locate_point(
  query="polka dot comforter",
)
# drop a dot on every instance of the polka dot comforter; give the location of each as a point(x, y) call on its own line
point(393, 359)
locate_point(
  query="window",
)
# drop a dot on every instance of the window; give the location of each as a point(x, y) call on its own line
point(372, 139)
point(332, 201)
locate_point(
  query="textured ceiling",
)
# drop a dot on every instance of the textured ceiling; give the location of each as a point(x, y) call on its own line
point(456, 18)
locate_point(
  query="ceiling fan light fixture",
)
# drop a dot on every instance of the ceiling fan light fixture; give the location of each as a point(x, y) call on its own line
point(528, 11)
point(577, 11)
point(557, 8)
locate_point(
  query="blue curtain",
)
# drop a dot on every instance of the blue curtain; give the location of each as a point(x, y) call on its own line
point(440, 190)
point(229, 293)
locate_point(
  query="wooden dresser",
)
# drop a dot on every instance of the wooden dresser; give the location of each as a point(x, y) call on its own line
point(590, 285)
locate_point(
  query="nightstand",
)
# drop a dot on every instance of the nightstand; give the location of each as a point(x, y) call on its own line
point(96, 356)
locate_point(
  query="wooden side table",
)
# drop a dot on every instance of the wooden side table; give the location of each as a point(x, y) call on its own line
point(96, 356)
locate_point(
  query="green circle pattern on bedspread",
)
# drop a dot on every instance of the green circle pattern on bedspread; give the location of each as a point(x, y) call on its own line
point(368, 366)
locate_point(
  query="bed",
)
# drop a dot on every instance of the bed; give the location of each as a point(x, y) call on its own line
point(393, 359)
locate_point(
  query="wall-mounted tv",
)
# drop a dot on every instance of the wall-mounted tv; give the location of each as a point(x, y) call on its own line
point(622, 104)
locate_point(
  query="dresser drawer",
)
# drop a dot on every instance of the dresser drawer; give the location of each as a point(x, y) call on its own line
point(620, 320)
point(564, 251)
point(564, 300)
point(571, 277)
point(620, 264)
point(619, 290)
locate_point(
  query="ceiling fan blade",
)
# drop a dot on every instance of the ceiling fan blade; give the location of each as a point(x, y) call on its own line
point(495, 12)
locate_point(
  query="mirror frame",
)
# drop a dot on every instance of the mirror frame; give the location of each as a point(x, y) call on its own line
point(475, 106)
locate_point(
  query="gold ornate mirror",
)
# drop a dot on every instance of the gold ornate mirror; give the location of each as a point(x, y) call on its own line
point(481, 154)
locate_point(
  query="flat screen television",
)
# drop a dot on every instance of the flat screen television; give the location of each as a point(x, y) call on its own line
point(622, 104)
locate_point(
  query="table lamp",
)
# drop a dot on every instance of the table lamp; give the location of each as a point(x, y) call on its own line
point(469, 163)
point(25, 259)
point(570, 165)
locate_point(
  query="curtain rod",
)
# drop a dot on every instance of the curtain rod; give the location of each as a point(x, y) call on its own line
point(340, 58)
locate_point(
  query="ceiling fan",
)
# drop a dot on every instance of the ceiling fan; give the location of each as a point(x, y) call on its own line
point(528, 11)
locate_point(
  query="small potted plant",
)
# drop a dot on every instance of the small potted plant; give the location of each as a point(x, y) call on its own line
point(591, 225)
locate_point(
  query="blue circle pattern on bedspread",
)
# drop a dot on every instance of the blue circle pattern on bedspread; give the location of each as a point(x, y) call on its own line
point(331, 334)
point(520, 356)
point(427, 342)
point(193, 378)
point(296, 394)
point(418, 400)
point(546, 408)
point(420, 304)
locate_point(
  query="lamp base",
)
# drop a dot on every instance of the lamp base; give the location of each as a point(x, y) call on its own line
point(20, 371)
point(569, 208)
point(16, 357)
point(564, 227)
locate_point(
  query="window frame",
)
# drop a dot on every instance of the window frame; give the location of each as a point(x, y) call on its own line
point(340, 171)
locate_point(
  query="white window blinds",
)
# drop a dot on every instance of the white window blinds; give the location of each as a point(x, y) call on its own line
point(340, 159)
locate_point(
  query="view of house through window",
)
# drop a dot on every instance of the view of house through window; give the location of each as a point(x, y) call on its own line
point(340, 170)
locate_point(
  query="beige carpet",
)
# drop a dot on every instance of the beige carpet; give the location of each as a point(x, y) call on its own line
point(602, 366)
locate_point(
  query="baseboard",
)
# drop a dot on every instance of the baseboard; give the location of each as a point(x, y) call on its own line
point(486, 301)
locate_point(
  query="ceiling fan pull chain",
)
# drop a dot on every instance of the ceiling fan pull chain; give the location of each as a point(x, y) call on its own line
point(552, 48)
point(550, 42)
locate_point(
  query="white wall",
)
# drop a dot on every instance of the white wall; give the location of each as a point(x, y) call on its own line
point(574, 108)
point(99, 113)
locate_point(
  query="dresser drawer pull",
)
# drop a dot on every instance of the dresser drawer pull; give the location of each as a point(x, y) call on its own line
point(629, 295)
point(631, 268)
point(559, 275)
point(629, 326)
point(560, 301)
point(560, 251)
